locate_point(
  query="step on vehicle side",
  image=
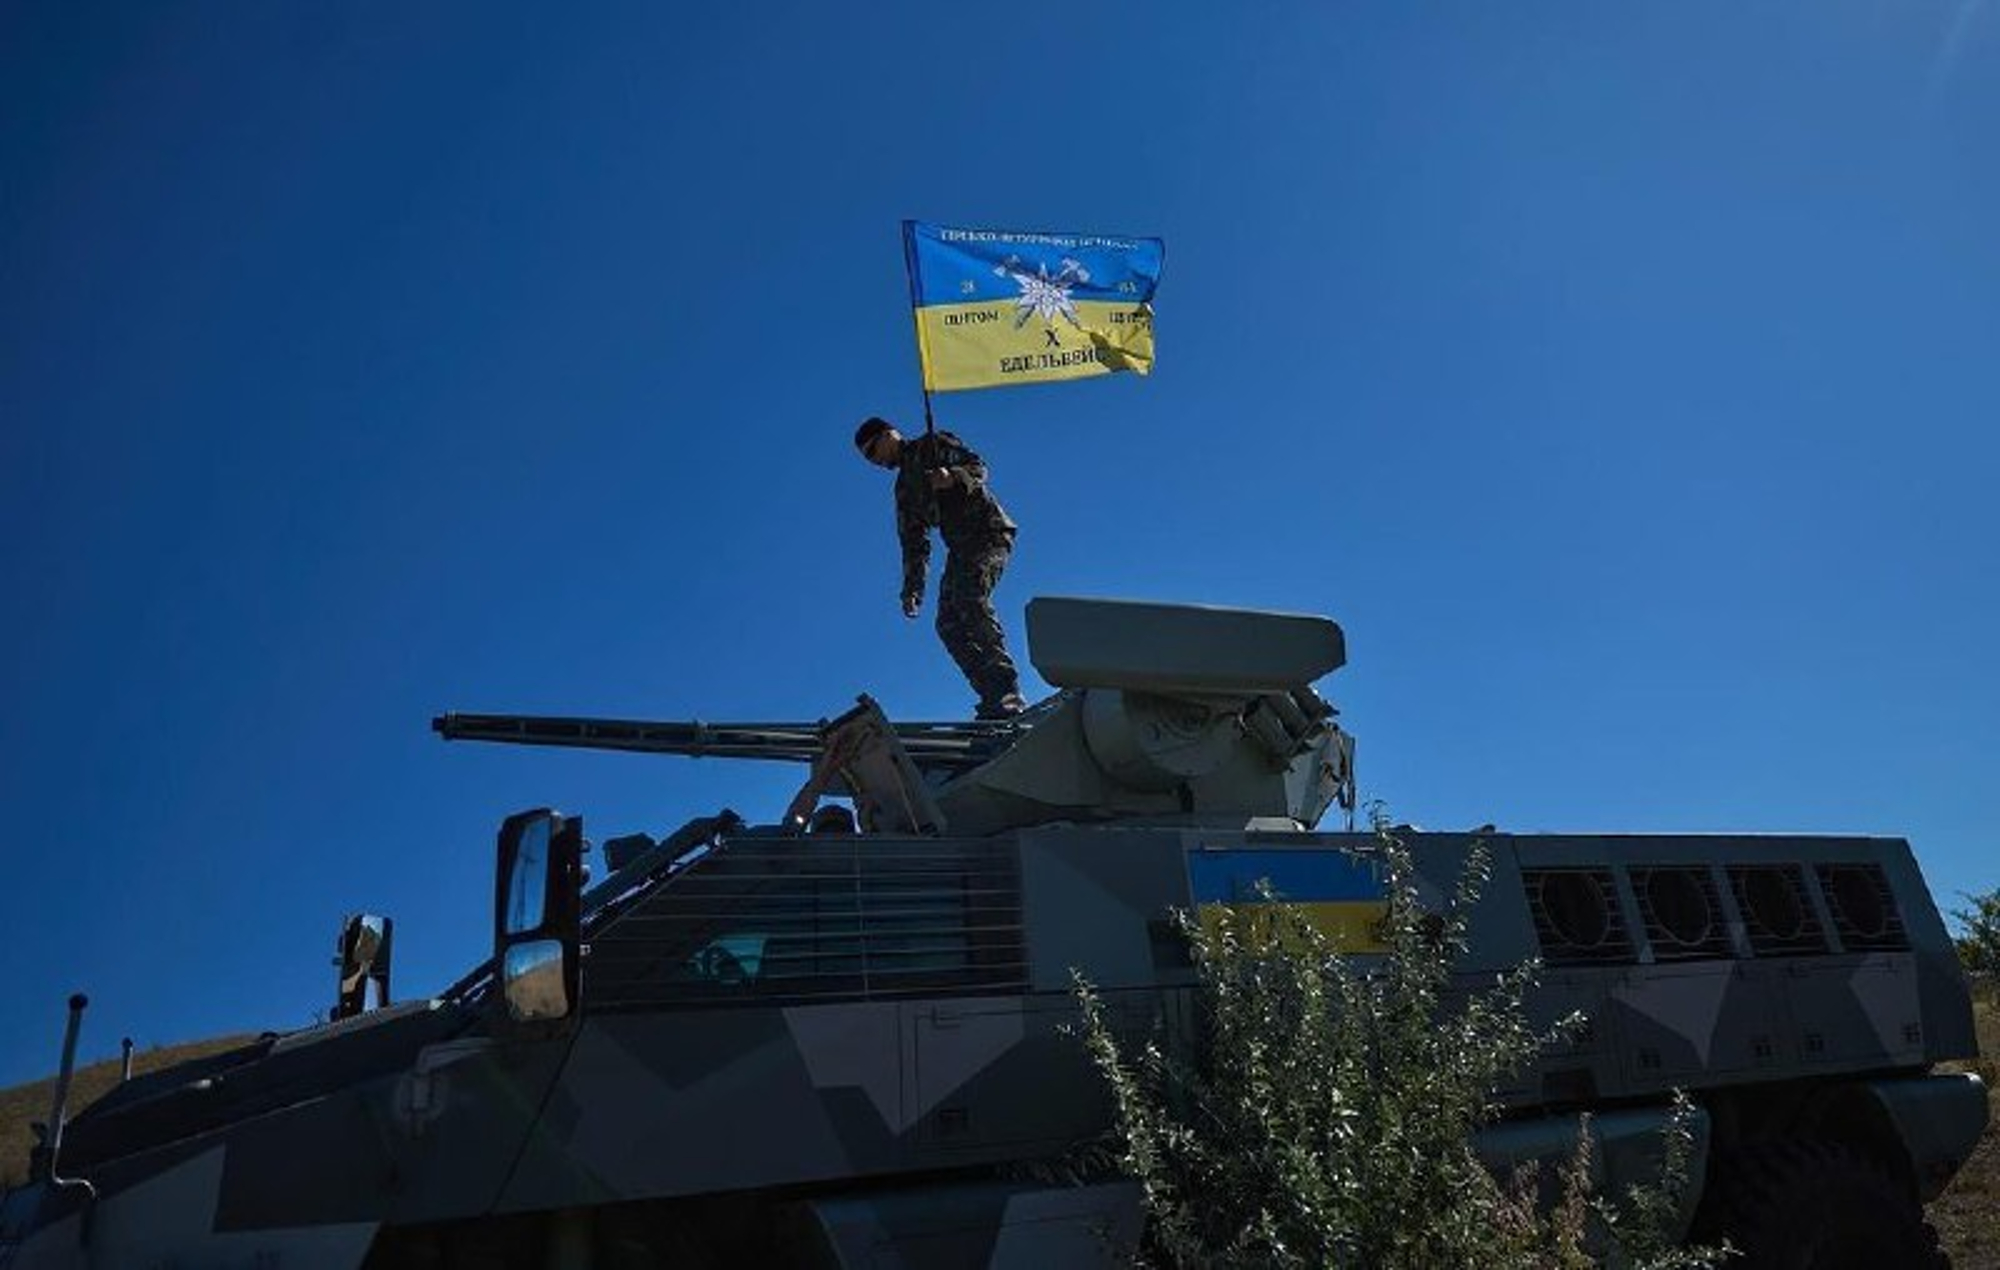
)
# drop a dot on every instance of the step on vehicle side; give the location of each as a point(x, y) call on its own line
point(840, 1039)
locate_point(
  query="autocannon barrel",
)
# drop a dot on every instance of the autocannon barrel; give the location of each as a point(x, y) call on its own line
point(793, 741)
point(942, 745)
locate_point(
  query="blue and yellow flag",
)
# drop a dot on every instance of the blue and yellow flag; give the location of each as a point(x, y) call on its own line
point(1004, 307)
point(1337, 893)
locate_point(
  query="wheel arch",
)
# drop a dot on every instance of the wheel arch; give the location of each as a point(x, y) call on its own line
point(1853, 1114)
point(1849, 1113)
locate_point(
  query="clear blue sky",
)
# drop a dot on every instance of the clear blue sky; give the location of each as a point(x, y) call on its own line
point(1621, 375)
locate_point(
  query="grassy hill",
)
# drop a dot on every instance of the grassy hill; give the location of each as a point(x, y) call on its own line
point(25, 1104)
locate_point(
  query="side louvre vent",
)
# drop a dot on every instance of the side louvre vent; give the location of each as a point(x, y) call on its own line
point(1577, 918)
point(1863, 907)
point(799, 919)
point(1777, 912)
point(1682, 913)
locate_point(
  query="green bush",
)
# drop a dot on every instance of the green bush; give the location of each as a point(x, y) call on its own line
point(1323, 1114)
point(1979, 945)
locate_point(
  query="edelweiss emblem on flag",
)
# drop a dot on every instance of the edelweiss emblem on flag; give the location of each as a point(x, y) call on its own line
point(1042, 296)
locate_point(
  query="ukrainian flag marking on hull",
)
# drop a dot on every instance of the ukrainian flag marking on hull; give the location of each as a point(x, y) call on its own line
point(997, 307)
point(1339, 894)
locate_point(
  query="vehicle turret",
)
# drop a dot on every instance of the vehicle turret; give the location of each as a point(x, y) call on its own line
point(1165, 714)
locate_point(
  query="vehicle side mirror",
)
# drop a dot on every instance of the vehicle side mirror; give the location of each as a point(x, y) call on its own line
point(538, 887)
point(367, 941)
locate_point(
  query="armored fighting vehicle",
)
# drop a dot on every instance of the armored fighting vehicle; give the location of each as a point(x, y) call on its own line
point(838, 1038)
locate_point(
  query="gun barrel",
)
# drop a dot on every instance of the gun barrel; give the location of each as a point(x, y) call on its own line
point(941, 745)
point(798, 742)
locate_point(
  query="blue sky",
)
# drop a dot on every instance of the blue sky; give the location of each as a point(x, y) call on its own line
point(1621, 375)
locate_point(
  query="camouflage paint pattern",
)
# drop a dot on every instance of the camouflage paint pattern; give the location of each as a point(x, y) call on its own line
point(736, 1095)
point(849, 1051)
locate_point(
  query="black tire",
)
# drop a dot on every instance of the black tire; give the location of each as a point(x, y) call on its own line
point(1809, 1205)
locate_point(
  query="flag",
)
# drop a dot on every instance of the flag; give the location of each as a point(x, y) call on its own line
point(1337, 893)
point(1000, 307)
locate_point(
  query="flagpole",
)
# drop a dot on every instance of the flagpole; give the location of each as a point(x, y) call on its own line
point(916, 303)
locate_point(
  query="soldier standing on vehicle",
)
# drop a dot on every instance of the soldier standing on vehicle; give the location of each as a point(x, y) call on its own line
point(941, 483)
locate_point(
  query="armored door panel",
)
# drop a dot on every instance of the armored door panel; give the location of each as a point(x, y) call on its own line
point(664, 1103)
point(1678, 1023)
point(1011, 1072)
point(1579, 1063)
point(460, 1116)
point(1856, 1011)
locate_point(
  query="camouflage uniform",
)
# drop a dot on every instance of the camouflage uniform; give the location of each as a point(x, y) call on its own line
point(978, 537)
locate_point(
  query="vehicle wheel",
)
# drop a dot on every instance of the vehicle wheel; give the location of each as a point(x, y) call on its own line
point(1817, 1206)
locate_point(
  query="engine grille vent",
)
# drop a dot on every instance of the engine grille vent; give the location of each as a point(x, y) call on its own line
point(1577, 918)
point(800, 919)
point(1863, 906)
point(1682, 912)
point(1777, 912)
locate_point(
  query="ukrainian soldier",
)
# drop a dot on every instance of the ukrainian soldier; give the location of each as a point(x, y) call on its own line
point(941, 484)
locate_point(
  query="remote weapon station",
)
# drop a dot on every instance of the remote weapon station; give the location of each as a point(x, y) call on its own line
point(834, 1040)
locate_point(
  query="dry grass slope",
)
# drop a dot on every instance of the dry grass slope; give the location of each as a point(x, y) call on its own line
point(1968, 1214)
point(26, 1104)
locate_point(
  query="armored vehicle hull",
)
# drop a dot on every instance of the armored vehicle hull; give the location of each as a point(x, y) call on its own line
point(766, 1046)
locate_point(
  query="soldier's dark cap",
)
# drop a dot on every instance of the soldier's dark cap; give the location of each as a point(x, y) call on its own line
point(870, 428)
